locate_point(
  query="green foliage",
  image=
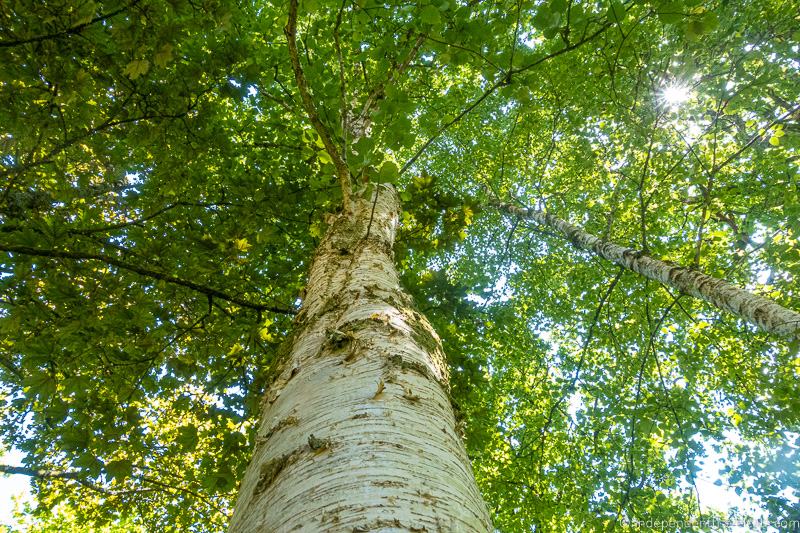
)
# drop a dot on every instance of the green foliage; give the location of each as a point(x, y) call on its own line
point(62, 519)
point(143, 144)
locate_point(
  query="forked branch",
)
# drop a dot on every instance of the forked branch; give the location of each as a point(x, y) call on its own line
point(342, 172)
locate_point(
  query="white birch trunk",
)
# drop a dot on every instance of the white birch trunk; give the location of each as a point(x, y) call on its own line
point(357, 432)
point(762, 312)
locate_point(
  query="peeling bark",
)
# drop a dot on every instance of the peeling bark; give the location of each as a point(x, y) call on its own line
point(757, 310)
point(357, 432)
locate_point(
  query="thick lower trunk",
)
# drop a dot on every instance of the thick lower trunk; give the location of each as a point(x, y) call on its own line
point(759, 311)
point(357, 432)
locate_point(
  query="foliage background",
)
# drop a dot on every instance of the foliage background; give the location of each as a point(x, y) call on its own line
point(162, 194)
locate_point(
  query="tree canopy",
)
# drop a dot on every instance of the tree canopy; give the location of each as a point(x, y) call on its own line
point(163, 190)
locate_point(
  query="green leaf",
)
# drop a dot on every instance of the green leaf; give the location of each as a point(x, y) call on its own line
point(364, 145)
point(389, 172)
point(163, 56)
point(119, 469)
point(430, 15)
point(136, 68)
point(615, 11)
point(542, 18)
point(187, 437)
point(711, 21)
point(671, 13)
point(40, 384)
point(90, 463)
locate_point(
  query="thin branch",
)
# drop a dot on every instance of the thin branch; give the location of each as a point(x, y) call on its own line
point(645, 167)
point(342, 172)
point(38, 472)
point(174, 488)
point(70, 31)
point(16, 171)
point(755, 138)
point(56, 474)
point(468, 50)
point(143, 271)
point(458, 117)
point(576, 377)
point(138, 221)
point(505, 80)
point(590, 333)
point(343, 108)
point(670, 404)
point(379, 90)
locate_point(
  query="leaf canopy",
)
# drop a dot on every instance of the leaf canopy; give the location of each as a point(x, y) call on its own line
point(163, 192)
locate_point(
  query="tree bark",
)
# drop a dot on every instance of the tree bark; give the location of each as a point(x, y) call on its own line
point(757, 310)
point(357, 432)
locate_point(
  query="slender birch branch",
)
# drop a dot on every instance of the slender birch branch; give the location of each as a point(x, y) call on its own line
point(42, 473)
point(143, 271)
point(757, 310)
point(342, 83)
point(38, 472)
point(78, 477)
point(342, 172)
point(379, 90)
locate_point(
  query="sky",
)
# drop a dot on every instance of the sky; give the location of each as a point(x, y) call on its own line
point(12, 488)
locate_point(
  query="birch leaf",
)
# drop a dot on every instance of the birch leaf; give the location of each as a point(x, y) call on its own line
point(136, 68)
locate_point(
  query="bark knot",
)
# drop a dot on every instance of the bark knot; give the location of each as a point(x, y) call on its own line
point(339, 339)
point(269, 471)
point(316, 444)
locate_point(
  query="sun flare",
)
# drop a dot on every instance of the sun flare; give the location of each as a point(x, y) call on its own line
point(676, 94)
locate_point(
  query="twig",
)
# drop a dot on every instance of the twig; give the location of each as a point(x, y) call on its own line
point(755, 138)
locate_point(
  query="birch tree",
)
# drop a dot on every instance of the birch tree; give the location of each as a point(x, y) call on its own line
point(254, 275)
point(755, 309)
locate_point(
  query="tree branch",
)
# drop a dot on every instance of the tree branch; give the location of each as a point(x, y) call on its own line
point(343, 107)
point(342, 172)
point(70, 31)
point(38, 472)
point(754, 139)
point(505, 80)
point(143, 271)
point(378, 91)
point(138, 221)
point(762, 312)
point(56, 474)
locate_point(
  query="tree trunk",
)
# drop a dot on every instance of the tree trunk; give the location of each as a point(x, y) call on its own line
point(759, 311)
point(357, 432)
